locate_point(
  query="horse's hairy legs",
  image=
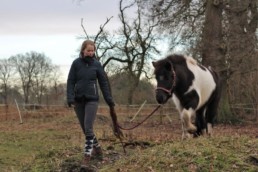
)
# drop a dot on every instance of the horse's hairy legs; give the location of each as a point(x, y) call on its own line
point(185, 133)
point(209, 128)
point(186, 116)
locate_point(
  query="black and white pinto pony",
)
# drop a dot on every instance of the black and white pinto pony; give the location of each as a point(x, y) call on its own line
point(195, 91)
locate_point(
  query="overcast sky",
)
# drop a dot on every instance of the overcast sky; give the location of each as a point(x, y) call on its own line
point(51, 26)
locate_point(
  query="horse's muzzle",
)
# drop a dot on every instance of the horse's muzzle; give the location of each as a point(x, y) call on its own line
point(161, 98)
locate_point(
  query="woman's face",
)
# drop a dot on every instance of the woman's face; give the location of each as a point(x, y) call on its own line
point(89, 50)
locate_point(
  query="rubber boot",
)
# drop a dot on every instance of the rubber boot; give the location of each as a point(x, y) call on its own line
point(88, 151)
point(97, 151)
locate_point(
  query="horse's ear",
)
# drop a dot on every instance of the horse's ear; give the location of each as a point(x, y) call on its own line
point(154, 64)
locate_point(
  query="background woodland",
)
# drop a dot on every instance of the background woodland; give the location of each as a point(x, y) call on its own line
point(218, 33)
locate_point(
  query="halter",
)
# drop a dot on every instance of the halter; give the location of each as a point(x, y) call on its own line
point(169, 91)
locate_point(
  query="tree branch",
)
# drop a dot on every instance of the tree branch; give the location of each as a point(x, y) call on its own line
point(116, 59)
point(84, 30)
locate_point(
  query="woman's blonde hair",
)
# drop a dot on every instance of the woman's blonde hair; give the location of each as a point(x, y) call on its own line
point(85, 43)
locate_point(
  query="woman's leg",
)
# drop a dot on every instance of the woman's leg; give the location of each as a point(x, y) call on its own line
point(90, 115)
point(80, 113)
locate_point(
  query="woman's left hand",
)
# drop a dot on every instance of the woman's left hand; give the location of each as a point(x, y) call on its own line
point(117, 132)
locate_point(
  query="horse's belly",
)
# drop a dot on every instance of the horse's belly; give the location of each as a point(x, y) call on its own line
point(205, 91)
point(204, 85)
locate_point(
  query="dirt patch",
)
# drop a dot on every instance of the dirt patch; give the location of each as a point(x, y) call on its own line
point(73, 164)
point(70, 165)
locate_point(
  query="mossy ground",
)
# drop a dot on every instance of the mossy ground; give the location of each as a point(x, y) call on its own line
point(55, 143)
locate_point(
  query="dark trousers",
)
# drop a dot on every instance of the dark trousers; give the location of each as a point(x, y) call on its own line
point(86, 114)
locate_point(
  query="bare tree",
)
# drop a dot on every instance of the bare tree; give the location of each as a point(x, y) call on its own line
point(55, 84)
point(180, 22)
point(105, 44)
point(136, 47)
point(41, 76)
point(30, 68)
point(6, 71)
point(132, 50)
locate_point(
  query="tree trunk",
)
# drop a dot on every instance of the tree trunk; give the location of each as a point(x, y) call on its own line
point(212, 46)
point(242, 57)
point(213, 50)
point(132, 87)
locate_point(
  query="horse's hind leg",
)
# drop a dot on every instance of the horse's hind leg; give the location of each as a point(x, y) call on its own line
point(200, 122)
point(211, 113)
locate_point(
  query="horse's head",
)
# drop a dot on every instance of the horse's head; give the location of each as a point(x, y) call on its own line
point(165, 77)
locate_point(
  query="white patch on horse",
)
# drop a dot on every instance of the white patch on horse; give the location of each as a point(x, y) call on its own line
point(177, 103)
point(203, 83)
point(191, 60)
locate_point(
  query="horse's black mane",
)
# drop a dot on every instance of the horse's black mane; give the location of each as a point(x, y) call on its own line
point(176, 58)
point(173, 58)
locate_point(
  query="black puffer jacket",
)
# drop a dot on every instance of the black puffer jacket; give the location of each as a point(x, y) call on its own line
point(82, 81)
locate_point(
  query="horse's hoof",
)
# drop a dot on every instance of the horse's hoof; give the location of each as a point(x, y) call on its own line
point(191, 129)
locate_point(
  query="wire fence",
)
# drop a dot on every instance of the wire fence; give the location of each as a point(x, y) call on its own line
point(20, 111)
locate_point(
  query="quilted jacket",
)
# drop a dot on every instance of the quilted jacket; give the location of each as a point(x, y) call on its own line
point(82, 81)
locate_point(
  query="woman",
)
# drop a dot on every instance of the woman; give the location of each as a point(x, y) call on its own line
point(82, 93)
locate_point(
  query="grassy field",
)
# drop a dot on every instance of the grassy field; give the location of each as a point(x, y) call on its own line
point(55, 143)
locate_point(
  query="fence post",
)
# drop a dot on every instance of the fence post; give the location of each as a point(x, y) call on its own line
point(18, 111)
point(138, 111)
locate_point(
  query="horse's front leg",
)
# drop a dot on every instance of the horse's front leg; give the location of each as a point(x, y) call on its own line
point(187, 125)
point(185, 133)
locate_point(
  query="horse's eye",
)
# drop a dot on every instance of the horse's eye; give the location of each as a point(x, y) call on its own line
point(161, 78)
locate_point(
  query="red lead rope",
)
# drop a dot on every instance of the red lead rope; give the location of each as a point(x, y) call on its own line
point(122, 128)
point(118, 133)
